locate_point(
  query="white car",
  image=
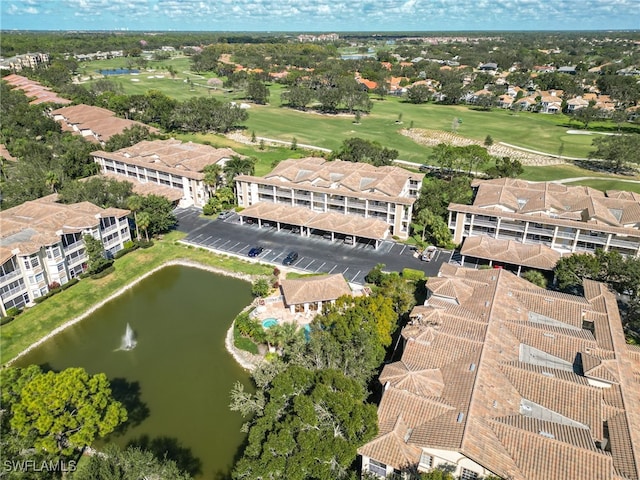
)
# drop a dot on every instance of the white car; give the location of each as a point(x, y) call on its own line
point(428, 253)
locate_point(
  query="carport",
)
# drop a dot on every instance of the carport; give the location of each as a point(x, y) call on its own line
point(509, 253)
point(369, 229)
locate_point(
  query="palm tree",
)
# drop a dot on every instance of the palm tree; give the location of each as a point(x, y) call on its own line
point(144, 220)
point(134, 203)
point(238, 166)
point(52, 181)
point(212, 176)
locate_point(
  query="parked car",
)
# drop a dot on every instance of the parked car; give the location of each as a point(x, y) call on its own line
point(348, 240)
point(428, 253)
point(295, 229)
point(327, 236)
point(255, 251)
point(225, 214)
point(290, 258)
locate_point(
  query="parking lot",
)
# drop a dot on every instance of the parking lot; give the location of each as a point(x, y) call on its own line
point(315, 253)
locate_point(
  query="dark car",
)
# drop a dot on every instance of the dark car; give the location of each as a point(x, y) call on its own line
point(255, 251)
point(290, 259)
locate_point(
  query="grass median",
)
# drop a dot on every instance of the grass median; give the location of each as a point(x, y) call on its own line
point(38, 321)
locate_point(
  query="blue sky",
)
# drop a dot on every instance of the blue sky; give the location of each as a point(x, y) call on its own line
point(320, 15)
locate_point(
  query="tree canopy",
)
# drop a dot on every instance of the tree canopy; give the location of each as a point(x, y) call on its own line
point(60, 412)
point(311, 425)
point(359, 150)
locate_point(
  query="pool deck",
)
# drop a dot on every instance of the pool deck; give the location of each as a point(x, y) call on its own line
point(274, 308)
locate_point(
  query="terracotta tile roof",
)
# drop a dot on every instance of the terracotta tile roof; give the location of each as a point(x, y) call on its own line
point(341, 178)
point(509, 251)
point(391, 448)
point(321, 288)
point(36, 223)
point(32, 89)
point(171, 156)
point(557, 202)
point(101, 122)
point(516, 368)
point(330, 221)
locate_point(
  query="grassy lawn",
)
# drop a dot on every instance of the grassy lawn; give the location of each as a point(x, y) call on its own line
point(609, 184)
point(38, 321)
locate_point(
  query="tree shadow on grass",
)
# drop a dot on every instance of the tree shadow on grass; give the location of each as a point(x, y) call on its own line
point(128, 393)
point(171, 449)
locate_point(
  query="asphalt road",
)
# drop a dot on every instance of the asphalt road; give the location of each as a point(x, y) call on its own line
point(315, 254)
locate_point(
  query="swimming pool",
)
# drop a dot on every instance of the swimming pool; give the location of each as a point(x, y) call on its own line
point(269, 322)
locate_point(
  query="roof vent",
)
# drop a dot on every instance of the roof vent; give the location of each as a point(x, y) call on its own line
point(547, 434)
point(472, 367)
point(460, 417)
point(548, 374)
point(549, 335)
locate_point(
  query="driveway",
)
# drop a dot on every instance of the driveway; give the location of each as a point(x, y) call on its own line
point(315, 254)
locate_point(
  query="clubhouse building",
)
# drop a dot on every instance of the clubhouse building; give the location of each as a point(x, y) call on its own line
point(498, 376)
point(338, 199)
point(41, 244)
point(171, 163)
point(565, 219)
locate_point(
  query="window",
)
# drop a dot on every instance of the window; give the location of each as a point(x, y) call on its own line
point(426, 461)
point(378, 468)
point(468, 475)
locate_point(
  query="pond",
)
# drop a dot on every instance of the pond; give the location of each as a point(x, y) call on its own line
point(118, 71)
point(177, 378)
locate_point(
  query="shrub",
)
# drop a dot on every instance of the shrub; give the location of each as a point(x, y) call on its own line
point(128, 244)
point(261, 287)
point(145, 244)
point(412, 274)
point(375, 276)
point(276, 272)
point(13, 312)
point(70, 283)
point(5, 320)
point(124, 251)
point(53, 286)
point(103, 273)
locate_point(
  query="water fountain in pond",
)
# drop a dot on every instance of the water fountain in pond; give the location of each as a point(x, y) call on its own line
point(128, 340)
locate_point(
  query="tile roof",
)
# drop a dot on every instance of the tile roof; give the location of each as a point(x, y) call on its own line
point(576, 204)
point(329, 221)
point(36, 223)
point(341, 178)
point(321, 288)
point(34, 90)
point(509, 251)
point(515, 367)
point(101, 122)
point(171, 156)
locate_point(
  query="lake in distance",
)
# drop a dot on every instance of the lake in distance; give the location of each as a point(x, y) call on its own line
point(178, 376)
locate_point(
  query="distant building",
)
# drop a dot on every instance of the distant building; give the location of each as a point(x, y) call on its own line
point(171, 163)
point(498, 376)
point(340, 198)
point(37, 92)
point(28, 60)
point(41, 244)
point(93, 123)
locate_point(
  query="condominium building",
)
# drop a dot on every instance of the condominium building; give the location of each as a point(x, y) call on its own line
point(37, 92)
point(345, 198)
point(564, 218)
point(27, 60)
point(498, 376)
point(41, 243)
point(93, 123)
point(171, 163)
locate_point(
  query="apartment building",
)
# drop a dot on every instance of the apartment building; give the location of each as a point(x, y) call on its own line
point(498, 376)
point(93, 123)
point(343, 198)
point(27, 60)
point(171, 163)
point(37, 92)
point(41, 243)
point(565, 218)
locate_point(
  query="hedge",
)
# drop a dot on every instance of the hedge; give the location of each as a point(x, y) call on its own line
point(103, 273)
point(124, 251)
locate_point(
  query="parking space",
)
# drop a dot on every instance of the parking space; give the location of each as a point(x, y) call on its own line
point(315, 253)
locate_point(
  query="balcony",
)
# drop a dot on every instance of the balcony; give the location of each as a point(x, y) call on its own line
point(14, 291)
point(74, 246)
point(10, 276)
point(616, 242)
